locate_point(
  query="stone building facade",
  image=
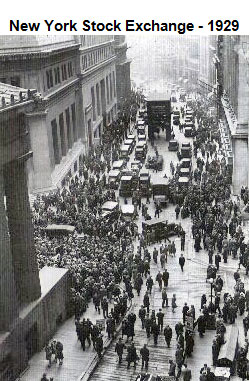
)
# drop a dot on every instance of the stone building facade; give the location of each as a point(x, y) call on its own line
point(32, 302)
point(233, 90)
point(76, 79)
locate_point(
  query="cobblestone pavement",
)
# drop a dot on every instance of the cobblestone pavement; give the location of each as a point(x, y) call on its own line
point(188, 287)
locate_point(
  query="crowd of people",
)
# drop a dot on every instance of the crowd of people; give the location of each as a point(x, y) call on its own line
point(107, 268)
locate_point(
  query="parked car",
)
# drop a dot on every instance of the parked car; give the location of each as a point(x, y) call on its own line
point(110, 210)
point(114, 178)
point(173, 145)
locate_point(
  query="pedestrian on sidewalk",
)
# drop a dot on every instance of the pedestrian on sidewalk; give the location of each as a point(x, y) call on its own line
point(155, 255)
point(48, 352)
point(186, 373)
point(174, 303)
point(119, 349)
point(142, 315)
point(165, 277)
point(44, 377)
point(168, 335)
point(144, 352)
point(184, 312)
point(59, 353)
point(146, 301)
point(132, 355)
point(149, 284)
point(164, 297)
point(160, 317)
point(172, 368)
point(182, 262)
point(177, 211)
point(159, 279)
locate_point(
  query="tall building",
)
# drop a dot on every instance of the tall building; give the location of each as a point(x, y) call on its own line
point(123, 84)
point(31, 302)
point(233, 90)
point(75, 77)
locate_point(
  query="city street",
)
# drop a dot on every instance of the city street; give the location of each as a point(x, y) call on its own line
point(188, 287)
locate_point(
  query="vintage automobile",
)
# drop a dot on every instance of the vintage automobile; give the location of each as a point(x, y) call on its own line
point(158, 229)
point(56, 230)
point(188, 132)
point(119, 164)
point(125, 151)
point(184, 172)
point(144, 183)
point(142, 144)
point(130, 143)
point(155, 162)
point(136, 166)
point(142, 138)
point(132, 137)
point(186, 163)
point(114, 178)
point(126, 186)
point(128, 212)
point(186, 144)
point(134, 174)
point(173, 145)
point(183, 182)
point(140, 154)
point(186, 152)
point(161, 191)
point(141, 129)
point(110, 211)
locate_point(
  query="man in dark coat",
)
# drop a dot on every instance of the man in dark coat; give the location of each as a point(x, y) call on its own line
point(144, 352)
point(132, 355)
point(182, 262)
point(142, 315)
point(217, 260)
point(146, 301)
point(165, 277)
point(201, 322)
point(119, 349)
point(168, 335)
point(160, 316)
point(184, 312)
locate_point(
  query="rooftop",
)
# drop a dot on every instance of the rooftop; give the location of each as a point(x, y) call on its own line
point(12, 95)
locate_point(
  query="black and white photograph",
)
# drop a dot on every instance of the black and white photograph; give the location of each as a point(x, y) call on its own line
point(124, 207)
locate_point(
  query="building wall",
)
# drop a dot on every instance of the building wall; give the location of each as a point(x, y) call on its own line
point(36, 324)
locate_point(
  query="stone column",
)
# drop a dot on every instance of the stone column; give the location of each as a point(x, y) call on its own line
point(8, 298)
point(40, 144)
point(21, 232)
point(240, 166)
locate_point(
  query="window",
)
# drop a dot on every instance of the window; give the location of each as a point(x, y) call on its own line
point(73, 115)
point(62, 134)
point(114, 88)
point(107, 87)
point(49, 77)
point(93, 102)
point(111, 90)
point(64, 72)
point(15, 81)
point(57, 75)
point(55, 141)
point(70, 69)
point(98, 99)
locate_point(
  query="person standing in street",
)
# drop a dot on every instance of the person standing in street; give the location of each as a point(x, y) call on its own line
point(144, 352)
point(164, 297)
point(165, 277)
point(182, 262)
point(168, 335)
point(142, 315)
point(174, 303)
point(172, 368)
point(119, 349)
point(184, 312)
point(186, 373)
point(160, 316)
point(217, 260)
point(146, 301)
